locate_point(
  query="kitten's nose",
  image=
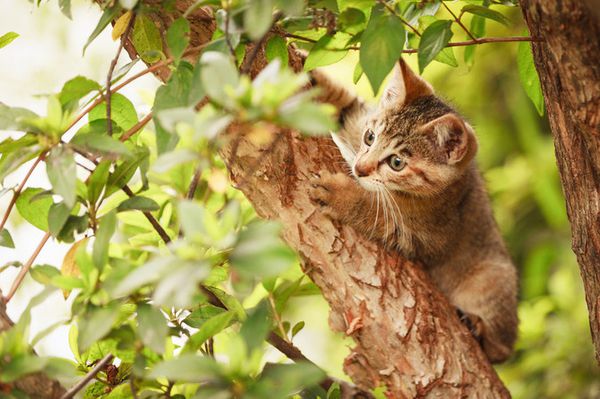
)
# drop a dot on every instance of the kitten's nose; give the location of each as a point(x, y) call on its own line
point(362, 170)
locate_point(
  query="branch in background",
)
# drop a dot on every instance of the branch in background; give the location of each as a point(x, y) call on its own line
point(88, 377)
point(23, 272)
point(194, 183)
point(257, 46)
point(137, 127)
point(17, 192)
point(482, 40)
point(111, 69)
point(459, 22)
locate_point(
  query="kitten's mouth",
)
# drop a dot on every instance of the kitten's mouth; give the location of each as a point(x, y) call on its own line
point(370, 184)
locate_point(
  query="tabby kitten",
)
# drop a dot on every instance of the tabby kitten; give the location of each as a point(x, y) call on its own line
point(415, 187)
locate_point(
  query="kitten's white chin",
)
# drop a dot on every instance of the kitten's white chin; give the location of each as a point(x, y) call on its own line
point(368, 184)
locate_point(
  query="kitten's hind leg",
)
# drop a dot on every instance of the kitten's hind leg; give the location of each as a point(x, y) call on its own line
point(487, 297)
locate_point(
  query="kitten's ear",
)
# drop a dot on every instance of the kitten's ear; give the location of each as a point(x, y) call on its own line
point(404, 86)
point(454, 137)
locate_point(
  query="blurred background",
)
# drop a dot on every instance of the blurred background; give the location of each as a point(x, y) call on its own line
point(554, 356)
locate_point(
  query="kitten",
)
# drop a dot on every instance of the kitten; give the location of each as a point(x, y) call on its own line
point(416, 188)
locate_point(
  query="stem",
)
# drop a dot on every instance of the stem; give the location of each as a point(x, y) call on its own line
point(227, 40)
point(136, 128)
point(88, 377)
point(17, 192)
point(405, 22)
point(458, 21)
point(111, 69)
point(277, 318)
point(159, 229)
point(25, 268)
point(481, 40)
point(194, 183)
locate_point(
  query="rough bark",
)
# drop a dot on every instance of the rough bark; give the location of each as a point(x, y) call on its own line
point(568, 62)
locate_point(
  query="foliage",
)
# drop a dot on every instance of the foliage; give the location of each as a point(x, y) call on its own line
point(166, 258)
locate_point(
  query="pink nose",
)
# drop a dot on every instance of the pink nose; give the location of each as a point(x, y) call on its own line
point(363, 170)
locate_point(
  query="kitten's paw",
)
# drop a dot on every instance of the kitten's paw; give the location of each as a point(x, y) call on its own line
point(330, 193)
point(473, 323)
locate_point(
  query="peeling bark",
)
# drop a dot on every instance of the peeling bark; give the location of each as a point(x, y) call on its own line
point(568, 62)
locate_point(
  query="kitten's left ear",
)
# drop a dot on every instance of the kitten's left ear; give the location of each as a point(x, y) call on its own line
point(404, 86)
point(453, 136)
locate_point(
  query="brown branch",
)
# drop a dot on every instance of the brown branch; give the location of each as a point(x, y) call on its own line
point(482, 40)
point(159, 229)
point(17, 192)
point(25, 268)
point(89, 376)
point(111, 69)
point(194, 183)
point(136, 128)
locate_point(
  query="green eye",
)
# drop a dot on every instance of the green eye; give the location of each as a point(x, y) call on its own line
point(396, 163)
point(369, 137)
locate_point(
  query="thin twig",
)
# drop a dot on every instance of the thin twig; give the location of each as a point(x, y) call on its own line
point(159, 229)
point(459, 22)
point(88, 377)
point(227, 39)
point(132, 386)
point(249, 61)
point(194, 183)
point(111, 69)
point(405, 22)
point(136, 128)
point(481, 40)
point(17, 192)
point(25, 268)
point(277, 317)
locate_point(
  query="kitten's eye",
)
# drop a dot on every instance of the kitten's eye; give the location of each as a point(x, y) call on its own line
point(396, 163)
point(369, 137)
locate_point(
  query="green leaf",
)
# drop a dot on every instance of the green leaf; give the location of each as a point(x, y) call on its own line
point(297, 328)
point(13, 118)
point(57, 217)
point(260, 252)
point(6, 239)
point(433, 40)
point(199, 316)
point(146, 39)
point(97, 181)
point(309, 117)
point(100, 144)
point(76, 88)
point(152, 327)
point(65, 7)
point(288, 379)
point(277, 48)
point(122, 111)
point(256, 326)
point(107, 16)
point(529, 77)
point(477, 28)
point(95, 325)
point(210, 328)
point(7, 38)
point(145, 274)
point(62, 173)
point(36, 211)
point(381, 45)
point(218, 74)
point(178, 37)
point(138, 203)
point(486, 13)
point(187, 367)
point(108, 225)
point(352, 20)
point(327, 50)
point(21, 365)
point(258, 18)
point(44, 274)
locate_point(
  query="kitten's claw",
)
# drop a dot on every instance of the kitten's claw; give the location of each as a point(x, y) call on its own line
point(329, 192)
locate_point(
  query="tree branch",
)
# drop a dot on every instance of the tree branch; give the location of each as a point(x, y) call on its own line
point(88, 377)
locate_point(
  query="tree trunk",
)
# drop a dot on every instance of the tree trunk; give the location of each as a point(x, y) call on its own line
point(568, 62)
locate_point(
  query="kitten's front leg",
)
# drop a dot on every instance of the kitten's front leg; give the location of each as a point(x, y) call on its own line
point(339, 196)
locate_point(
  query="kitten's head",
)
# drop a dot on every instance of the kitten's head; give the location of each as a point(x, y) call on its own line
point(413, 142)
